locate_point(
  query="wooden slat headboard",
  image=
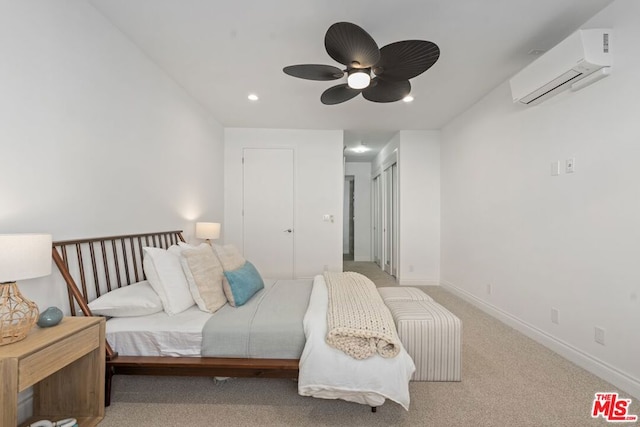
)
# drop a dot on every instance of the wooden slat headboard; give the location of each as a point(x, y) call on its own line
point(92, 267)
point(103, 264)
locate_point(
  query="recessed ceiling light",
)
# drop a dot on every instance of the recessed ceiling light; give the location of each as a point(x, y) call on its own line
point(408, 98)
point(252, 97)
point(360, 149)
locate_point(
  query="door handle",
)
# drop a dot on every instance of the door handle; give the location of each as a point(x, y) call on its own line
point(288, 230)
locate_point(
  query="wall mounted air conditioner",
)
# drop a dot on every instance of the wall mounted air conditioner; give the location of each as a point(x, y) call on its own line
point(583, 53)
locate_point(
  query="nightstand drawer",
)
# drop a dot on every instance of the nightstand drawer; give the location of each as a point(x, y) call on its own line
point(59, 354)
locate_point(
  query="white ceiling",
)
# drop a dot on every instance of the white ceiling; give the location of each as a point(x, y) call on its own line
point(220, 52)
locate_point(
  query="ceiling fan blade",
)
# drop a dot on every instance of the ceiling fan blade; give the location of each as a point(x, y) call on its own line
point(386, 91)
point(351, 45)
point(338, 94)
point(406, 59)
point(314, 72)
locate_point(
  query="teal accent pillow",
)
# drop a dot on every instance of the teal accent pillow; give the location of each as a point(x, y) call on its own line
point(242, 284)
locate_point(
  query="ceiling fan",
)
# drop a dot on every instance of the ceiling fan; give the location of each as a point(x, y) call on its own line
point(392, 65)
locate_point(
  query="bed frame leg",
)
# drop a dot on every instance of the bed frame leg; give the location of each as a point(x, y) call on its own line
point(374, 409)
point(107, 385)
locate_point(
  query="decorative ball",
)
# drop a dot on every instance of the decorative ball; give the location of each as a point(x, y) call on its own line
point(50, 317)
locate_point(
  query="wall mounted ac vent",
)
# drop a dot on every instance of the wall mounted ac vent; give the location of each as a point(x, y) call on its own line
point(573, 59)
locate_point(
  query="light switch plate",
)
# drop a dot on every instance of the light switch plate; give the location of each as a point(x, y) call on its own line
point(555, 168)
point(570, 165)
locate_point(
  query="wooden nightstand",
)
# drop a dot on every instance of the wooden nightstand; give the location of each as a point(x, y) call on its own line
point(65, 364)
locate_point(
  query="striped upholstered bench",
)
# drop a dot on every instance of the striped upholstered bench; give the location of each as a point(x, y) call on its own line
point(403, 293)
point(432, 337)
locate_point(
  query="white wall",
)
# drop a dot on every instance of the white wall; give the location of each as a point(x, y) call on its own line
point(418, 157)
point(319, 181)
point(362, 209)
point(419, 178)
point(389, 153)
point(95, 139)
point(568, 242)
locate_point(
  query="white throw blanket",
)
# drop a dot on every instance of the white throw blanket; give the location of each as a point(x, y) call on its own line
point(328, 373)
point(359, 323)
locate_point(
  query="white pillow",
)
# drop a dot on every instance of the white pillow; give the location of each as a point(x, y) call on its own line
point(164, 273)
point(229, 256)
point(137, 299)
point(184, 245)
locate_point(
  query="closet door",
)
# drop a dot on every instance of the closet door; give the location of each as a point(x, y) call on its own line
point(390, 234)
point(388, 219)
point(377, 220)
point(268, 210)
point(395, 220)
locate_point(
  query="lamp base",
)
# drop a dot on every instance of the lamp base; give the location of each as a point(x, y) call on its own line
point(17, 314)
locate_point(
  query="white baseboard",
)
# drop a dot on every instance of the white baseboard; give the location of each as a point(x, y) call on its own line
point(596, 366)
point(360, 258)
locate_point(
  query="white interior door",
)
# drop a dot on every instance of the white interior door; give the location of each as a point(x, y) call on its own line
point(268, 211)
point(377, 220)
point(394, 221)
point(390, 220)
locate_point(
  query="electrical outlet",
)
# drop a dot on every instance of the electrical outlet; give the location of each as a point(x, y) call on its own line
point(488, 288)
point(555, 316)
point(599, 335)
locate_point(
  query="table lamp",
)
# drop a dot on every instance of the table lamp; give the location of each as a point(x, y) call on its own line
point(22, 256)
point(207, 230)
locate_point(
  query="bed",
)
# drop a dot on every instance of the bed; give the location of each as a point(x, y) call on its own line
point(257, 339)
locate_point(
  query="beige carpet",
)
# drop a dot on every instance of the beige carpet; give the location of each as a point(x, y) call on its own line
point(372, 271)
point(507, 380)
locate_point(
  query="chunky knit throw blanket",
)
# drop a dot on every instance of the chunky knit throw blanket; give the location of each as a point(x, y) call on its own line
point(358, 321)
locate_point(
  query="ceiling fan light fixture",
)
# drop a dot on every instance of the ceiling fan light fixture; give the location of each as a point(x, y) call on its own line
point(359, 79)
point(392, 65)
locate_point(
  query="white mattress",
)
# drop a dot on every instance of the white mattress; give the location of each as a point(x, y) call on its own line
point(158, 334)
point(181, 335)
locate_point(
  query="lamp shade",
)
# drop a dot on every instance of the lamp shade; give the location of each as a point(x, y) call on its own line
point(24, 256)
point(207, 230)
